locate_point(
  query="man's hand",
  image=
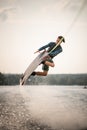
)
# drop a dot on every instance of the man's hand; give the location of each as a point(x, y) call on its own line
point(39, 51)
point(36, 51)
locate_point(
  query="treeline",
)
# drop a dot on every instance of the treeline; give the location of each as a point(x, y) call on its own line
point(52, 79)
point(9, 79)
point(65, 79)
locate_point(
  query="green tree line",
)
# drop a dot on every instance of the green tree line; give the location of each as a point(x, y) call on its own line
point(9, 79)
point(51, 79)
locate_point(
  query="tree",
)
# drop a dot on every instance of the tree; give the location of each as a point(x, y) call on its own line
point(2, 79)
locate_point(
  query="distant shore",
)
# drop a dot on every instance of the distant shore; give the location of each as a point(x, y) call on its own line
point(50, 79)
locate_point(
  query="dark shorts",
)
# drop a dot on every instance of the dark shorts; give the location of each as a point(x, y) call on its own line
point(46, 67)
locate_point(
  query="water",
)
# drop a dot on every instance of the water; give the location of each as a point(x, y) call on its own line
point(48, 107)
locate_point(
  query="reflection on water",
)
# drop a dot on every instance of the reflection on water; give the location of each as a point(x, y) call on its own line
point(61, 107)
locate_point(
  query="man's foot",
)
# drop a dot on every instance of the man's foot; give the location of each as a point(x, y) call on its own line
point(22, 77)
point(43, 62)
point(33, 73)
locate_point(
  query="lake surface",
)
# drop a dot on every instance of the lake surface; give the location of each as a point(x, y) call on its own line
point(43, 108)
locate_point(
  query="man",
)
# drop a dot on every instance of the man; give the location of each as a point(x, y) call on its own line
point(53, 52)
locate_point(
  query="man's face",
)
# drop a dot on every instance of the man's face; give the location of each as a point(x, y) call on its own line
point(57, 40)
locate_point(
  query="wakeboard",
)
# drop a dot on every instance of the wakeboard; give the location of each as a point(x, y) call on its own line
point(34, 64)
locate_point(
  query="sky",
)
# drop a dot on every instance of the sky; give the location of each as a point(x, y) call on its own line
point(27, 25)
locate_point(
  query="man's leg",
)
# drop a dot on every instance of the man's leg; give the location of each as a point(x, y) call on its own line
point(44, 73)
point(45, 68)
point(49, 63)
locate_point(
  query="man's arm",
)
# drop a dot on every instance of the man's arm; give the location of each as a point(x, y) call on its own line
point(43, 48)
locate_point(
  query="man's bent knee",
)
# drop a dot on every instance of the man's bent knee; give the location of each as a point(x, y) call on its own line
point(52, 65)
point(45, 73)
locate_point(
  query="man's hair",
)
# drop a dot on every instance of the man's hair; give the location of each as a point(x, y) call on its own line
point(61, 37)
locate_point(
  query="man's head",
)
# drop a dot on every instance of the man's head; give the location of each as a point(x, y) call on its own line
point(60, 38)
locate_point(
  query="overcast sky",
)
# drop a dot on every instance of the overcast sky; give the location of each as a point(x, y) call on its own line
point(26, 25)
